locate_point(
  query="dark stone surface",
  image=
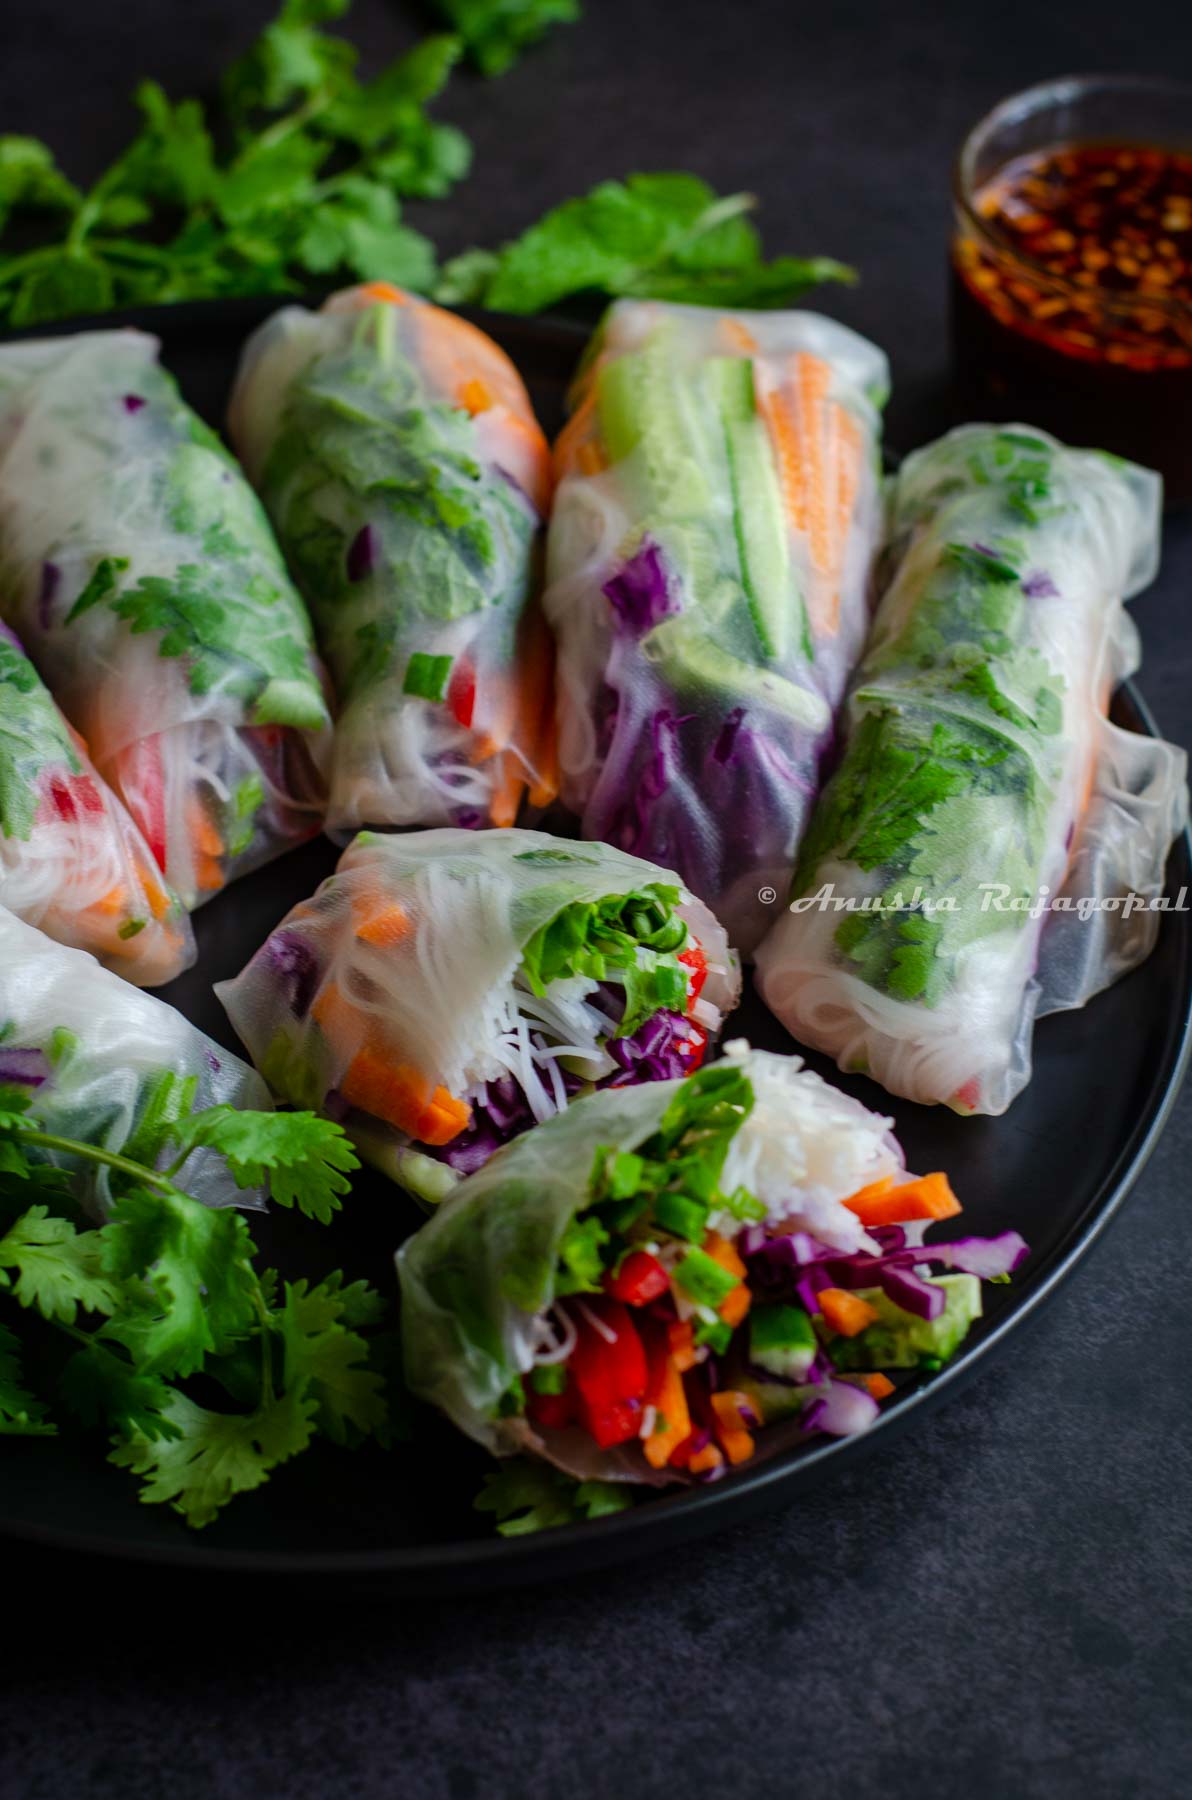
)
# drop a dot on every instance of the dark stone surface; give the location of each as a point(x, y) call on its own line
point(999, 1604)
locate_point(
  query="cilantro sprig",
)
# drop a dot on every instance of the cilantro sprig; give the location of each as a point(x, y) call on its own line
point(301, 174)
point(158, 1328)
point(526, 1496)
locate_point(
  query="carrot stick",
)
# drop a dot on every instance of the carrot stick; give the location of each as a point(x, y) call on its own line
point(735, 1440)
point(507, 793)
point(930, 1197)
point(671, 1402)
point(380, 922)
point(845, 1313)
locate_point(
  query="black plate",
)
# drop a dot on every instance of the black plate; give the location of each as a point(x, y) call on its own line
point(1056, 1167)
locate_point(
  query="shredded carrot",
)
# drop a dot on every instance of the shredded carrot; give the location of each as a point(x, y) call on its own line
point(111, 903)
point(879, 1386)
point(580, 432)
point(725, 1253)
point(155, 894)
point(737, 336)
point(671, 1403)
point(930, 1197)
point(680, 1336)
point(383, 290)
point(735, 1440)
point(507, 793)
point(812, 376)
point(339, 1018)
point(734, 1306)
point(546, 762)
point(380, 923)
point(703, 1460)
point(475, 397)
point(209, 875)
point(401, 1096)
point(845, 1313)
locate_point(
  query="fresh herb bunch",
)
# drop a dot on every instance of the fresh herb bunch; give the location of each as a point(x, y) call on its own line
point(301, 175)
point(157, 1327)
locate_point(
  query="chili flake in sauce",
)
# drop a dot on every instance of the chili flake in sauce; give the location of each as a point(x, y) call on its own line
point(1089, 247)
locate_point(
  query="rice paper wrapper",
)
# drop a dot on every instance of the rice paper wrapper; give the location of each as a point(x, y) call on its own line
point(709, 558)
point(397, 452)
point(102, 1062)
point(478, 1275)
point(140, 572)
point(71, 859)
point(420, 935)
point(982, 784)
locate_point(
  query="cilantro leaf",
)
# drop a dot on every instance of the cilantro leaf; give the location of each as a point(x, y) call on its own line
point(58, 1269)
point(525, 1496)
point(193, 1264)
point(34, 739)
point(29, 177)
point(306, 1159)
point(497, 31)
point(664, 236)
point(22, 1414)
point(102, 1388)
point(212, 1456)
point(327, 1361)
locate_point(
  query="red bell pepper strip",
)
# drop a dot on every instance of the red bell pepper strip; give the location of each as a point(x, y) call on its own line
point(694, 959)
point(551, 1410)
point(461, 692)
point(609, 1377)
point(144, 793)
point(640, 1279)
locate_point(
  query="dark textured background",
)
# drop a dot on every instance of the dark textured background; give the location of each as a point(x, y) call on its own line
point(997, 1605)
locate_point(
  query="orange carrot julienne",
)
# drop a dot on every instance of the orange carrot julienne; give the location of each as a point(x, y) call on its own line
point(383, 291)
point(735, 1305)
point(402, 1097)
point(735, 1439)
point(475, 397)
point(725, 1253)
point(704, 1460)
point(845, 1313)
point(507, 793)
point(930, 1197)
point(209, 875)
point(383, 924)
point(879, 1386)
point(671, 1402)
point(680, 1336)
point(737, 336)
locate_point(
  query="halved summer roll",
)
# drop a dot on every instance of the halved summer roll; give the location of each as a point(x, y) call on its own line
point(443, 990)
point(637, 1287)
point(398, 455)
point(71, 859)
point(708, 569)
point(982, 783)
point(139, 569)
point(102, 1062)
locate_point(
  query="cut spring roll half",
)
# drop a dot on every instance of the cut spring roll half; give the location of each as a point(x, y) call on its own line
point(396, 450)
point(708, 573)
point(638, 1287)
point(981, 780)
point(104, 1063)
point(139, 569)
point(71, 859)
point(444, 990)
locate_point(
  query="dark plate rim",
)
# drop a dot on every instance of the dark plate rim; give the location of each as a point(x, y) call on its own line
point(661, 1522)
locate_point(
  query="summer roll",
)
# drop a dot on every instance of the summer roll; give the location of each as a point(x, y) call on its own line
point(71, 859)
point(708, 571)
point(103, 1062)
point(445, 989)
point(637, 1286)
point(982, 784)
point(397, 453)
point(139, 570)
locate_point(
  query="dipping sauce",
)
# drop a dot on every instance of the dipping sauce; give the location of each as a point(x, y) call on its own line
point(1072, 299)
